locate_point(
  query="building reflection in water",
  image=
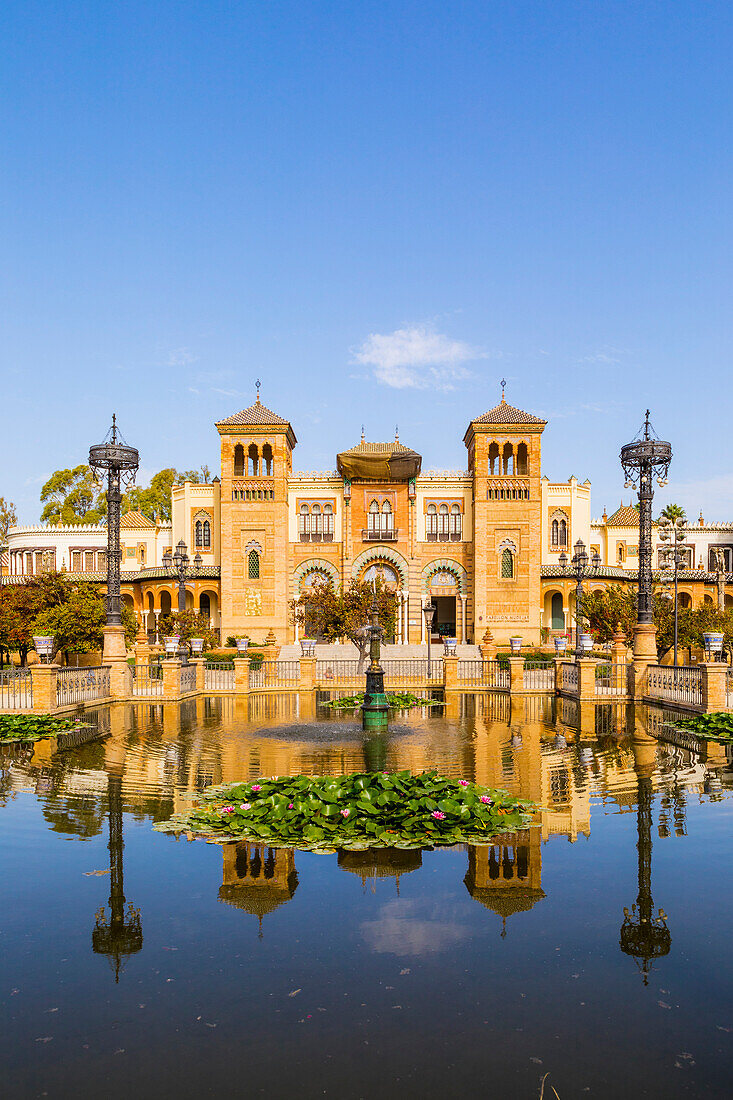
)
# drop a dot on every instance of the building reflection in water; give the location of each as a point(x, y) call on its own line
point(644, 936)
point(121, 935)
point(380, 863)
point(257, 879)
point(505, 876)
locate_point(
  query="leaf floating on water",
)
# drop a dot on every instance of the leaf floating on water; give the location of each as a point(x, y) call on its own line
point(537, 1061)
point(295, 993)
point(663, 1004)
point(405, 970)
point(105, 872)
point(45, 1039)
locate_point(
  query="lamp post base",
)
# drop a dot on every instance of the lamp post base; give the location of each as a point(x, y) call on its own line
point(375, 711)
point(645, 643)
point(114, 646)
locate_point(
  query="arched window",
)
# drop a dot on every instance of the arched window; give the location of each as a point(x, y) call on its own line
point(253, 565)
point(207, 534)
point(387, 519)
point(443, 523)
point(494, 459)
point(239, 460)
point(522, 460)
point(508, 455)
point(267, 462)
point(328, 523)
point(253, 460)
point(555, 541)
point(198, 534)
point(304, 523)
point(431, 523)
point(507, 564)
point(563, 533)
point(316, 523)
point(456, 523)
point(205, 604)
point(374, 520)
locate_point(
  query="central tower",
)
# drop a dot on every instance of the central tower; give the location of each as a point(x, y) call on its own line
point(504, 460)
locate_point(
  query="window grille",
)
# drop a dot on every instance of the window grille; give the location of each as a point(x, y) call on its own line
point(253, 565)
point(507, 565)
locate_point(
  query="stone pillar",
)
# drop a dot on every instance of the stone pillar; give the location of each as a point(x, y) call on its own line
point(464, 601)
point(171, 678)
point(488, 646)
point(200, 665)
point(558, 662)
point(241, 675)
point(307, 673)
point(714, 686)
point(645, 654)
point(120, 680)
point(157, 631)
point(619, 654)
point(43, 679)
point(450, 673)
point(114, 646)
point(142, 649)
point(586, 678)
point(516, 675)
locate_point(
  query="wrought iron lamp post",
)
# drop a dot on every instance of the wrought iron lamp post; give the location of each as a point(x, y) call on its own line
point(674, 532)
point(428, 613)
point(375, 709)
point(178, 563)
point(581, 567)
point(641, 460)
point(120, 463)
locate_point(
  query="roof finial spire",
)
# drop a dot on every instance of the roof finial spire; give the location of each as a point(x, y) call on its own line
point(258, 384)
point(114, 427)
point(503, 387)
point(362, 433)
point(396, 433)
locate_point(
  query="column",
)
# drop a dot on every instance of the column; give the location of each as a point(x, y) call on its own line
point(307, 673)
point(464, 601)
point(516, 675)
point(714, 686)
point(422, 627)
point(157, 633)
point(586, 678)
point(297, 631)
point(171, 678)
point(43, 679)
point(241, 675)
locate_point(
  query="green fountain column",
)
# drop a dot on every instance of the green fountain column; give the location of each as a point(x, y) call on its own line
point(375, 710)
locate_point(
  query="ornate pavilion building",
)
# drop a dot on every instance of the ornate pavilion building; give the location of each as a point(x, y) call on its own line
point(481, 544)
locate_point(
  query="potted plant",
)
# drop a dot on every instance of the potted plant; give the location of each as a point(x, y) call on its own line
point(515, 644)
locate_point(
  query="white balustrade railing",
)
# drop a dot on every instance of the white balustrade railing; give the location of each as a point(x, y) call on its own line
point(675, 685)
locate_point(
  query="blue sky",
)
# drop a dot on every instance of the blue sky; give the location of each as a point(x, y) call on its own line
point(378, 208)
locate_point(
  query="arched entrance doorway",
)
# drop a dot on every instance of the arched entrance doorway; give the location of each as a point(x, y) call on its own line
point(443, 591)
point(557, 613)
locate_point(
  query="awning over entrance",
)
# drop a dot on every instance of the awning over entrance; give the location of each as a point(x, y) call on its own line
point(379, 462)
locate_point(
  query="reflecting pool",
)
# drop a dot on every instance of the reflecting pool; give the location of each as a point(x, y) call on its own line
point(591, 947)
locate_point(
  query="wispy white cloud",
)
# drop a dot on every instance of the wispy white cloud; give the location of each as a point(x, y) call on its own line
point(227, 393)
point(180, 357)
point(604, 355)
point(412, 928)
point(416, 357)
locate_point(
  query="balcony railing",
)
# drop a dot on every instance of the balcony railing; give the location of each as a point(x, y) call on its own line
point(318, 536)
point(443, 536)
point(371, 534)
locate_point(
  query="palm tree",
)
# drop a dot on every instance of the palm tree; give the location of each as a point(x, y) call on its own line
point(673, 512)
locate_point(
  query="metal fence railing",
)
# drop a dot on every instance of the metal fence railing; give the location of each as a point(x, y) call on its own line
point(188, 678)
point(219, 675)
point(474, 672)
point(339, 672)
point(729, 687)
point(611, 679)
point(403, 672)
point(77, 685)
point(16, 689)
point(569, 676)
point(676, 685)
point(285, 673)
point(539, 675)
point(147, 680)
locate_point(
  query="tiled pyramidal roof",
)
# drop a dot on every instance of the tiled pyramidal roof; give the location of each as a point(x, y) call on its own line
point(136, 520)
point(255, 414)
point(365, 448)
point(624, 516)
point(508, 414)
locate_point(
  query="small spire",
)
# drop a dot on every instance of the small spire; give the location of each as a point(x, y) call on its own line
point(114, 427)
point(503, 387)
point(362, 434)
point(258, 384)
point(396, 433)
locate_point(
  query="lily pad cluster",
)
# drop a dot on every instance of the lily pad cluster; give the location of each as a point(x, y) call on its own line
point(34, 727)
point(398, 700)
point(711, 727)
point(354, 812)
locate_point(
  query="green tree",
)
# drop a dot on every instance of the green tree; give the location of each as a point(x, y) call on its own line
point(602, 611)
point(8, 518)
point(673, 512)
point(20, 606)
point(72, 497)
point(188, 624)
point(78, 621)
point(333, 613)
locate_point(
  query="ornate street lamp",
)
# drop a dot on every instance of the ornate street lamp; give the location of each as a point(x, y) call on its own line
point(642, 459)
point(120, 463)
point(180, 568)
point(428, 612)
point(581, 566)
point(674, 532)
point(375, 709)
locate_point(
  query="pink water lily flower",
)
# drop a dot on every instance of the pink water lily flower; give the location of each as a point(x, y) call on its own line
point(437, 814)
point(256, 787)
point(227, 810)
point(345, 813)
point(290, 805)
point(484, 798)
point(463, 782)
point(245, 806)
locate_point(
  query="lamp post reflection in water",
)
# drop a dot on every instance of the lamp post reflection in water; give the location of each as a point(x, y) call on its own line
point(644, 936)
point(122, 935)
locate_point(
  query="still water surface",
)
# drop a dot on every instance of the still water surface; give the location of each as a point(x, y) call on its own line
point(472, 971)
